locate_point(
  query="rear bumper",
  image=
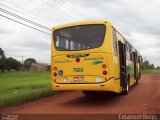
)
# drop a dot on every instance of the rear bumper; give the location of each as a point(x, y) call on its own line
point(105, 86)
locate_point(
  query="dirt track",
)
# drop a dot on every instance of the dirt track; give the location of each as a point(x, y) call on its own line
point(144, 99)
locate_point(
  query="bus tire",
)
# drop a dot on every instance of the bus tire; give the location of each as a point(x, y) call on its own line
point(136, 81)
point(126, 90)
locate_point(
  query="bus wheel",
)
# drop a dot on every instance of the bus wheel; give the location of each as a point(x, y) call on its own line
point(136, 81)
point(126, 90)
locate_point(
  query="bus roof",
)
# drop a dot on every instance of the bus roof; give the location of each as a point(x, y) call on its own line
point(81, 23)
point(89, 22)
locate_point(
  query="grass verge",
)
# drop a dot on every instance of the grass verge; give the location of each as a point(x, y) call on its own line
point(151, 71)
point(20, 87)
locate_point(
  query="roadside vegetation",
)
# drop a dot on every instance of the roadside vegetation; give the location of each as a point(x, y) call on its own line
point(151, 71)
point(20, 87)
point(148, 68)
point(18, 84)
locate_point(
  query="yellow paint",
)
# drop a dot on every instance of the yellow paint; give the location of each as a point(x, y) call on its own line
point(90, 71)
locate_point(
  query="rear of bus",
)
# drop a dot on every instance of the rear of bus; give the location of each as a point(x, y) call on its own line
point(81, 57)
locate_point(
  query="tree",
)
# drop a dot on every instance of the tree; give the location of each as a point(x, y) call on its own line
point(27, 65)
point(32, 60)
point(13, 64)
point(152, 66)
point(28, 62)
point(2, 60)
point(146, 64)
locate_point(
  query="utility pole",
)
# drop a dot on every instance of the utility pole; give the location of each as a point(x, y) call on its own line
point(22, 59)
point(2, 60)
point(1, 53)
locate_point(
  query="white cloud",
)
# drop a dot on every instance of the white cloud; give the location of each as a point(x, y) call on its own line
point(143, 41)
point(147, 44)
point(137, 19)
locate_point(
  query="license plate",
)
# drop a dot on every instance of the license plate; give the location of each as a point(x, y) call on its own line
point(78, 78)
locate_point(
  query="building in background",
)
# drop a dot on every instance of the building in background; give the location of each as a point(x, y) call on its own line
point(40, 67)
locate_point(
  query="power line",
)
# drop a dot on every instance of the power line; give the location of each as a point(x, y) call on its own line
point(50, 5)
point(25, 24)
point(51, 16)
point(24, 19)
point(68, 6)
point(71, 8)
point(27, 11)
point(58, 2)
point(47, 5)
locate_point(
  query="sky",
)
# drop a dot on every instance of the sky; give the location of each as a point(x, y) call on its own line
point(137, 20)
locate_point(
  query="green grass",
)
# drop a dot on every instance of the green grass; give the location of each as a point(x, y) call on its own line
point(151, 71)
point(20, 87)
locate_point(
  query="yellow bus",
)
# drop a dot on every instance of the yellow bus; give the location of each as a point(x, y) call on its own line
point(93, 56)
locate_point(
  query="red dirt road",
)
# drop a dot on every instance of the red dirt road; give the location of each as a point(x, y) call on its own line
point(143, 98)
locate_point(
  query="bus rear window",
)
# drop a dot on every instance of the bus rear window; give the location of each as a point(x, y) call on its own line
point(81, 37)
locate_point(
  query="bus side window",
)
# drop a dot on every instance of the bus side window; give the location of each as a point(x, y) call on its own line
point(131, 53)
point(57, 41)
point(114, 41)
point(127, 51)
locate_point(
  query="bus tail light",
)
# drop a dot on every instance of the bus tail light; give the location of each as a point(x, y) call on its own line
point(55, 74)
point(104, 72)
point(77, 60)
point(104, 66)
point(55, 68)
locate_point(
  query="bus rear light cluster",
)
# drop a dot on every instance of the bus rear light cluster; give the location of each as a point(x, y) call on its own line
point(77, 60)
point(55, 68)
point(55, 74)
point(104, 66)
point(104, 72)
point(55, 71)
